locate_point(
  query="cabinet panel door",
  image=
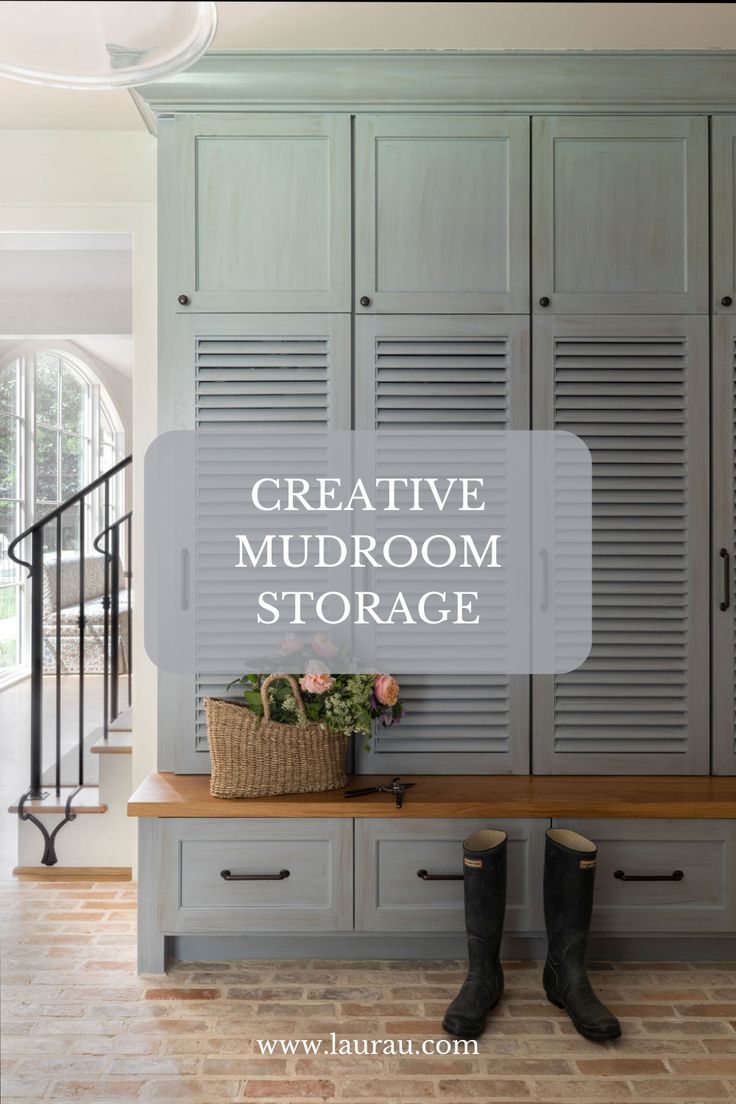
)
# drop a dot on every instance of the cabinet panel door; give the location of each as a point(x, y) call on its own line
point(393, 858)
point(723, 191)
point(264, 204)
point(635, 390)
point(620, 219)
point(442, 214)
point(278, 372)
point(420, 373)
point(724, 545)
point(635, 890)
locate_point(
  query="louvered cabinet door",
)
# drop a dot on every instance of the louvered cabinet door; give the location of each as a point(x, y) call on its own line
point(620, 214)
point(441, 214)
point(276, 373)
point(635, 390)
point(723, 549)
point(260, 219)
point(423, 373)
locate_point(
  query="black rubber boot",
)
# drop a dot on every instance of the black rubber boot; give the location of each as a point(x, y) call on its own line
point(484, 878)
point(569, 878)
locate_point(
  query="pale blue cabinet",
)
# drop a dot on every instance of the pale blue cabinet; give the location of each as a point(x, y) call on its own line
point(723, 222)
point(620, 215)
point(723, 545)
point(416, 372)
point(635, 389)
point(442, 214)
point(260, 220)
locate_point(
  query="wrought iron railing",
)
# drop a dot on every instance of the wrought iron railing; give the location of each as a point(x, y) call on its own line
point(110, 543)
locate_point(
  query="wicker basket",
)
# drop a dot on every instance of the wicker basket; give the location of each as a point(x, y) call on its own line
point(257, 757)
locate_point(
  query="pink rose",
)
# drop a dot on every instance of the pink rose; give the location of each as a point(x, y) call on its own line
point(317, 683)
point(323, 646)
point(289, 643)
point(386, 689)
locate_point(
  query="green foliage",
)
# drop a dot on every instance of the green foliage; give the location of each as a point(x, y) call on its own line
point(348, 706)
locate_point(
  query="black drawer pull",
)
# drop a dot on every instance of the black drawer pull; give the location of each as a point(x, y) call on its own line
point(675, 876)
point(427, 877)
point(229, 877)
point(726, 600)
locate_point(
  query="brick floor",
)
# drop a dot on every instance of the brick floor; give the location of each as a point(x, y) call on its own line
point(80, 1026)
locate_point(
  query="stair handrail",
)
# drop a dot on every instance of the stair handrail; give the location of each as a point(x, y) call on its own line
point(104, 477)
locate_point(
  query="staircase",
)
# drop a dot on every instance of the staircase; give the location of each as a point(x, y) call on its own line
point(73, 816)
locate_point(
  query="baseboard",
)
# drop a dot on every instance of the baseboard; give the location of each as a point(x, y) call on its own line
point(73, 873)
point(362, 945)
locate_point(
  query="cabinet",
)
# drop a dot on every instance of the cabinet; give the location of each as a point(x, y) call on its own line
point(635, 389)
point(262, 212)
point(277, 334)
point(724, 544)
point(408, 875)
point(620, 223)
point(442, 214)
point(445, 373)
point(723, 206)
point(662, 875)
point(279, 875)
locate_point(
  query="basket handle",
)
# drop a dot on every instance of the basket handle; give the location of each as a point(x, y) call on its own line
point(295, 691)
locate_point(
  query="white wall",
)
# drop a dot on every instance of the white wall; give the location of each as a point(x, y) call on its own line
point(98, 181)
point(74, 291)
point(447, 26)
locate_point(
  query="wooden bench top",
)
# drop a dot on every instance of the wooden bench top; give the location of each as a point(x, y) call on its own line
point(487, 796)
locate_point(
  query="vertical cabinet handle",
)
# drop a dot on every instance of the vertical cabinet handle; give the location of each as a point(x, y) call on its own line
point(544, 557)
point(726, 600)
point(184, 579)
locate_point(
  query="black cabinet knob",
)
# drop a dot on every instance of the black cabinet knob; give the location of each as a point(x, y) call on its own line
point(184, 300)
point(544, 301)
point(726, 301)
point(365, 301)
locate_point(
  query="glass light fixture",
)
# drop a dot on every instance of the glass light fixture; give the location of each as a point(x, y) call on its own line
point(101, 45)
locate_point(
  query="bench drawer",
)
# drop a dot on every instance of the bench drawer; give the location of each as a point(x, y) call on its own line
point(315, 895)
point(391, 896)
point(702, 899)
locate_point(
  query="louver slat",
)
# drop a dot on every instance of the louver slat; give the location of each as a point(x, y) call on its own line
point(452, 373)
point(634, 706)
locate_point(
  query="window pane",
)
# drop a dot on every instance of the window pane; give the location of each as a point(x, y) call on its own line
point(9, 604)
point(74, 400)
point(46, 394)
point(73, 456)
point(9, 387)
point(47, 464)
point(9, 433)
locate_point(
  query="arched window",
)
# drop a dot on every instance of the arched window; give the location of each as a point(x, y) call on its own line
point(59, 429)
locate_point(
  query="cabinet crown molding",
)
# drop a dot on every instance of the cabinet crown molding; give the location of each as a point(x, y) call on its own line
point(522, 81)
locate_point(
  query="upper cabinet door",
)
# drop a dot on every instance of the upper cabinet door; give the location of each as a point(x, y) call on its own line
point(263, 214)
point(723, 253)
point(442, 214)
point(620, 215)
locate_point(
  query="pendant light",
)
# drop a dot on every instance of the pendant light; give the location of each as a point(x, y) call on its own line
point(101, 45)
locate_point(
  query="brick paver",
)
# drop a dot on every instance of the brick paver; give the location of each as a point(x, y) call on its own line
point(79, 1026)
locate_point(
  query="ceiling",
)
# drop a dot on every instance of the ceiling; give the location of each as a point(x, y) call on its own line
point(335, 26)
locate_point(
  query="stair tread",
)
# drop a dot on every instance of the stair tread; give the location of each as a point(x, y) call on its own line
point(123, 722)
point(86, 801)
point(117, 743)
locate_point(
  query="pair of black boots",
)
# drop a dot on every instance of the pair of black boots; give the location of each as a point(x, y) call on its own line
point(569, 877)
